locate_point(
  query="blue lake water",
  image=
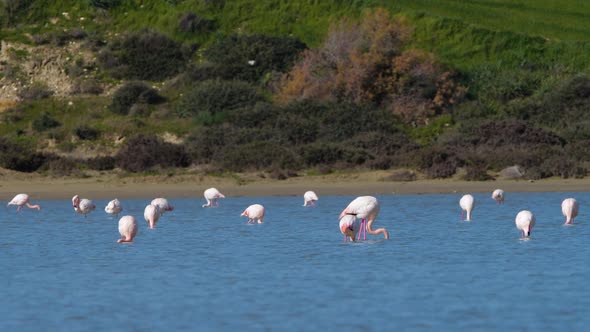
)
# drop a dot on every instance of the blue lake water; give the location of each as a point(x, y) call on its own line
point(207, 269)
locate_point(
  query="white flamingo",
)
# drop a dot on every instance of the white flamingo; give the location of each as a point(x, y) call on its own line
point(151, 213)
point(309, 197)
point(525, 220)
point(570, 208)
point(21, 200)
point(350, 226)
point(367, 209)
point(498, 195)
point(254, 212)
point(467, 204)
point(83, 206)
point(211, 195)
point(162, 204)
point(127, 229)
point(114, 207)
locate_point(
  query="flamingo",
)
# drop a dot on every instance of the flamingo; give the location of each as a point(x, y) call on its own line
point(151, 215)
point(467, 203)
point(83, 206)
point(127, 229)
point(21, 200)
point(367, 209)
point(498, 195)
point(211, 195)
point(570, 208)
point(254, 212)
point(114, 207)
point(350, 226)
point(525, 220)
point(309, 197)
point(162, 204)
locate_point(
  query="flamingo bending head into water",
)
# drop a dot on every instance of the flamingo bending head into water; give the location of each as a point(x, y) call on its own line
point(309, 197)
point(350, 226)
point(570, 208)
point(467, 204)
point(162, 204)
point(211, 195)
point(525, 220)
point(254, 212)
point(83, 206)
point(127, 229)
point(21, 200)
point(114, 207)
point(367, 209)
point(151, 213)
point(498, 195)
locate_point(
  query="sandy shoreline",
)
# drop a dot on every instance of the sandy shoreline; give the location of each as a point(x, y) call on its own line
point(369, 183)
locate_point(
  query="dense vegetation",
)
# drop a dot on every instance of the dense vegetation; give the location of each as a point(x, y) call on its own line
point(287, 86)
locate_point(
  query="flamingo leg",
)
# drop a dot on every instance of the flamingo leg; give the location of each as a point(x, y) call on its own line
point(365, 229)
point(312, 203)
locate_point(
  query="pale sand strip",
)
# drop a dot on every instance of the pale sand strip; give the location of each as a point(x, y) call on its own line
point(193, 186)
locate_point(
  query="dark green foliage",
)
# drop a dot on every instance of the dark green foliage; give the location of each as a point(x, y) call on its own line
point(145, 55)
point(214, 97)
point(131, 93)
point(234, 55)
point(45, 121)
point(439, 163)
point(100, 163)
point(142, 152)
point(104, 4)
point(19, 157)
point(85, 132)
point(258, 155)
point(193, 23)
point(61, 166)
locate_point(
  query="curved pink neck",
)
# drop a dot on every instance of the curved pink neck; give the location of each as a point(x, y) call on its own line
point(35, 206)
point(377, 231)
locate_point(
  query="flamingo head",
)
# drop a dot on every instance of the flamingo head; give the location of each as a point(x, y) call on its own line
point(75, 201)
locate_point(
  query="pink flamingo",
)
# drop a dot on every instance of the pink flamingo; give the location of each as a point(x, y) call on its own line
point(211, 195)
point(114, 207)
point(498, 195)
point(151, 215)
point(254, 212)
point(367, 209)
point(350, 226)
point(525, 220)
point(570, 208)
point(467, 203)
point(162, 204)
point(309, 197)
point(83, 206)
point(127, 229)
point(21, 200)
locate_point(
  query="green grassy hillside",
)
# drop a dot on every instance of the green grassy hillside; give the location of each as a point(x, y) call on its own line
point(513, 58)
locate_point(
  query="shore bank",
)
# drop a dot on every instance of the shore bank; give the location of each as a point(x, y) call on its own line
point(367, 183)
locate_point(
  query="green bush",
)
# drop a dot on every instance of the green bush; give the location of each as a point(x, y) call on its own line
point(45, 121)
point(19, 157)
point(235, 54)
point(213, 97)
point(105, 163)
point(34, 92)
point(193, 23)
point(131, 93)
point(142, 152)
point(85, 132)
point(104, 4)
point(145, 55)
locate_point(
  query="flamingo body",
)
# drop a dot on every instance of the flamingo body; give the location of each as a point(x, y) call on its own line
point(114, 207)
point(367, 209)
point(211, 195)
point(151, 213)
point(309, 197)
point(21, 200)
point(498, 195)
point(83, 206)
point(525, 221)
point(127, 229)
point(162, 204)
point(350, 226)
point(467, 204)
point(254, 212)
point(570, 208)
